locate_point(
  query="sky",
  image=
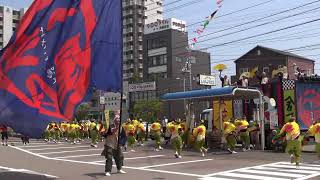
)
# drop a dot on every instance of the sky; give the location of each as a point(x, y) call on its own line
point(197, 10)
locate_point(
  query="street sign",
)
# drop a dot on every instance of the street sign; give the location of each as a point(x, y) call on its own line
point(148, 86)
point(207, 80)
point(102, 100)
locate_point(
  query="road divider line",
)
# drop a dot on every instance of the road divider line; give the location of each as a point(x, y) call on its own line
point(309, 176)
point(61, 152)
point(73, 147)
point(170, 164)
point(82, 155)
point(294, 167)
point(215, 178)
point(311, 165)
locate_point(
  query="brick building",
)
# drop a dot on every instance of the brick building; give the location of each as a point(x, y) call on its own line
point(268, 59)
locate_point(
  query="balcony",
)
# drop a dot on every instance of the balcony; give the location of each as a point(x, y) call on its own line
point(140, 66)
point(140, 38)
point(128, 39)
point(140, 48)
point(140, 29)
point(126, 13)
point(140, 21)
point(125, 4)
point(128, 57)
point(128, 30)
point(127, 66)
point(140, 56)
point(128, 48)
point(127, 21)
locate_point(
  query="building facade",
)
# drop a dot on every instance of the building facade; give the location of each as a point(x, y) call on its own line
point(267, 60)
point(9, 20)
point(136, 13)
point(164, 58)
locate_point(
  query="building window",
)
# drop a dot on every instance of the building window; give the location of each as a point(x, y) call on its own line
point(242, 70)
point(154, 61)
point(265, 69)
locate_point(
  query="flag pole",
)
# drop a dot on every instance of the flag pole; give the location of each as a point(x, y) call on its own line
point(121, 68)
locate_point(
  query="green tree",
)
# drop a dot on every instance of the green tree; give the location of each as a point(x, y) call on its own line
point(147, 110)
point(82, 111)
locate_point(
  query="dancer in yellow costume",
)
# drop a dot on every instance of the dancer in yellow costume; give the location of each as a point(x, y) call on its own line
point(184, 133)
point(292, 132)
point(199, 133)
point(242, 129)
point(131, 133)
point(176, 140)
point(156, 133)
point(93, 133)
point(314, 130)
point(230, 135)
point(141, 132)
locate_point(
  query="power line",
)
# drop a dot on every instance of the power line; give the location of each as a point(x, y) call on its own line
point(259, 19)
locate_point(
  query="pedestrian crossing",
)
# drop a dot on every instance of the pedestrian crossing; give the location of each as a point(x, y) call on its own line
point(273, 171)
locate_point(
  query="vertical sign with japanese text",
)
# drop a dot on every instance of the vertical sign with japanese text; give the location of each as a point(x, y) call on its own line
point(289, 104)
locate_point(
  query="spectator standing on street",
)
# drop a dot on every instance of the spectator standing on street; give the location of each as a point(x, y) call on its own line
point(4, 134)
point(112, 148)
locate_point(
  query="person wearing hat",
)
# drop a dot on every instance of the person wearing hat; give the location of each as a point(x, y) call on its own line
point(242, 129)
point(292, 132)
point(156, 133)
point(229, 130)
point(200, 135)
point(176, 140)
point(314, 130)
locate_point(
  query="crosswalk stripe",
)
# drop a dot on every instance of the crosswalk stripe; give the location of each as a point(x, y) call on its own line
point(286, 170)
point(271, 173)
point(305, 164)
point(83, 155)
point(73, 147)
point(249, 176)
point(44, 145)
point(294, 167)
point(61, 152)
point(215, 178)
point(169, 164)
point(134, 158)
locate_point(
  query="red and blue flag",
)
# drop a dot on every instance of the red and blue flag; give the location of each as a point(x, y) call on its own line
point(61, 50)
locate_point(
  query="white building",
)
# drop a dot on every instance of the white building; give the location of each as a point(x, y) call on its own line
point(9, 20)
point(137, 13)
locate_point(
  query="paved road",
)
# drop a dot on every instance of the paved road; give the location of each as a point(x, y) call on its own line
point(40, 160)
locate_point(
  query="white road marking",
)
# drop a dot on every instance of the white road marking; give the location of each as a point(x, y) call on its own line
point(310, 176)
point(271, 173)
point(143, 157)
point(44, 145)
point(27, 171)
point(215, 178)
point(170, 164)
point(294, 167)
point(312, 165)
point(61, 152)
point(218, 173)
point(27, 145)
point(286, 170)
point(73, 147)
point(248, 176)
point(126, 167)
point(83, 155)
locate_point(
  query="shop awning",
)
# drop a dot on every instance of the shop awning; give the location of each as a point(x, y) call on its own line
point(224, 93)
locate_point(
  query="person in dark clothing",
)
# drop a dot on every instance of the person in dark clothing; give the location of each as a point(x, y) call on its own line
point(112, 147)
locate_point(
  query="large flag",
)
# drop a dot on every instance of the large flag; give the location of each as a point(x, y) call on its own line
point(61, 50)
